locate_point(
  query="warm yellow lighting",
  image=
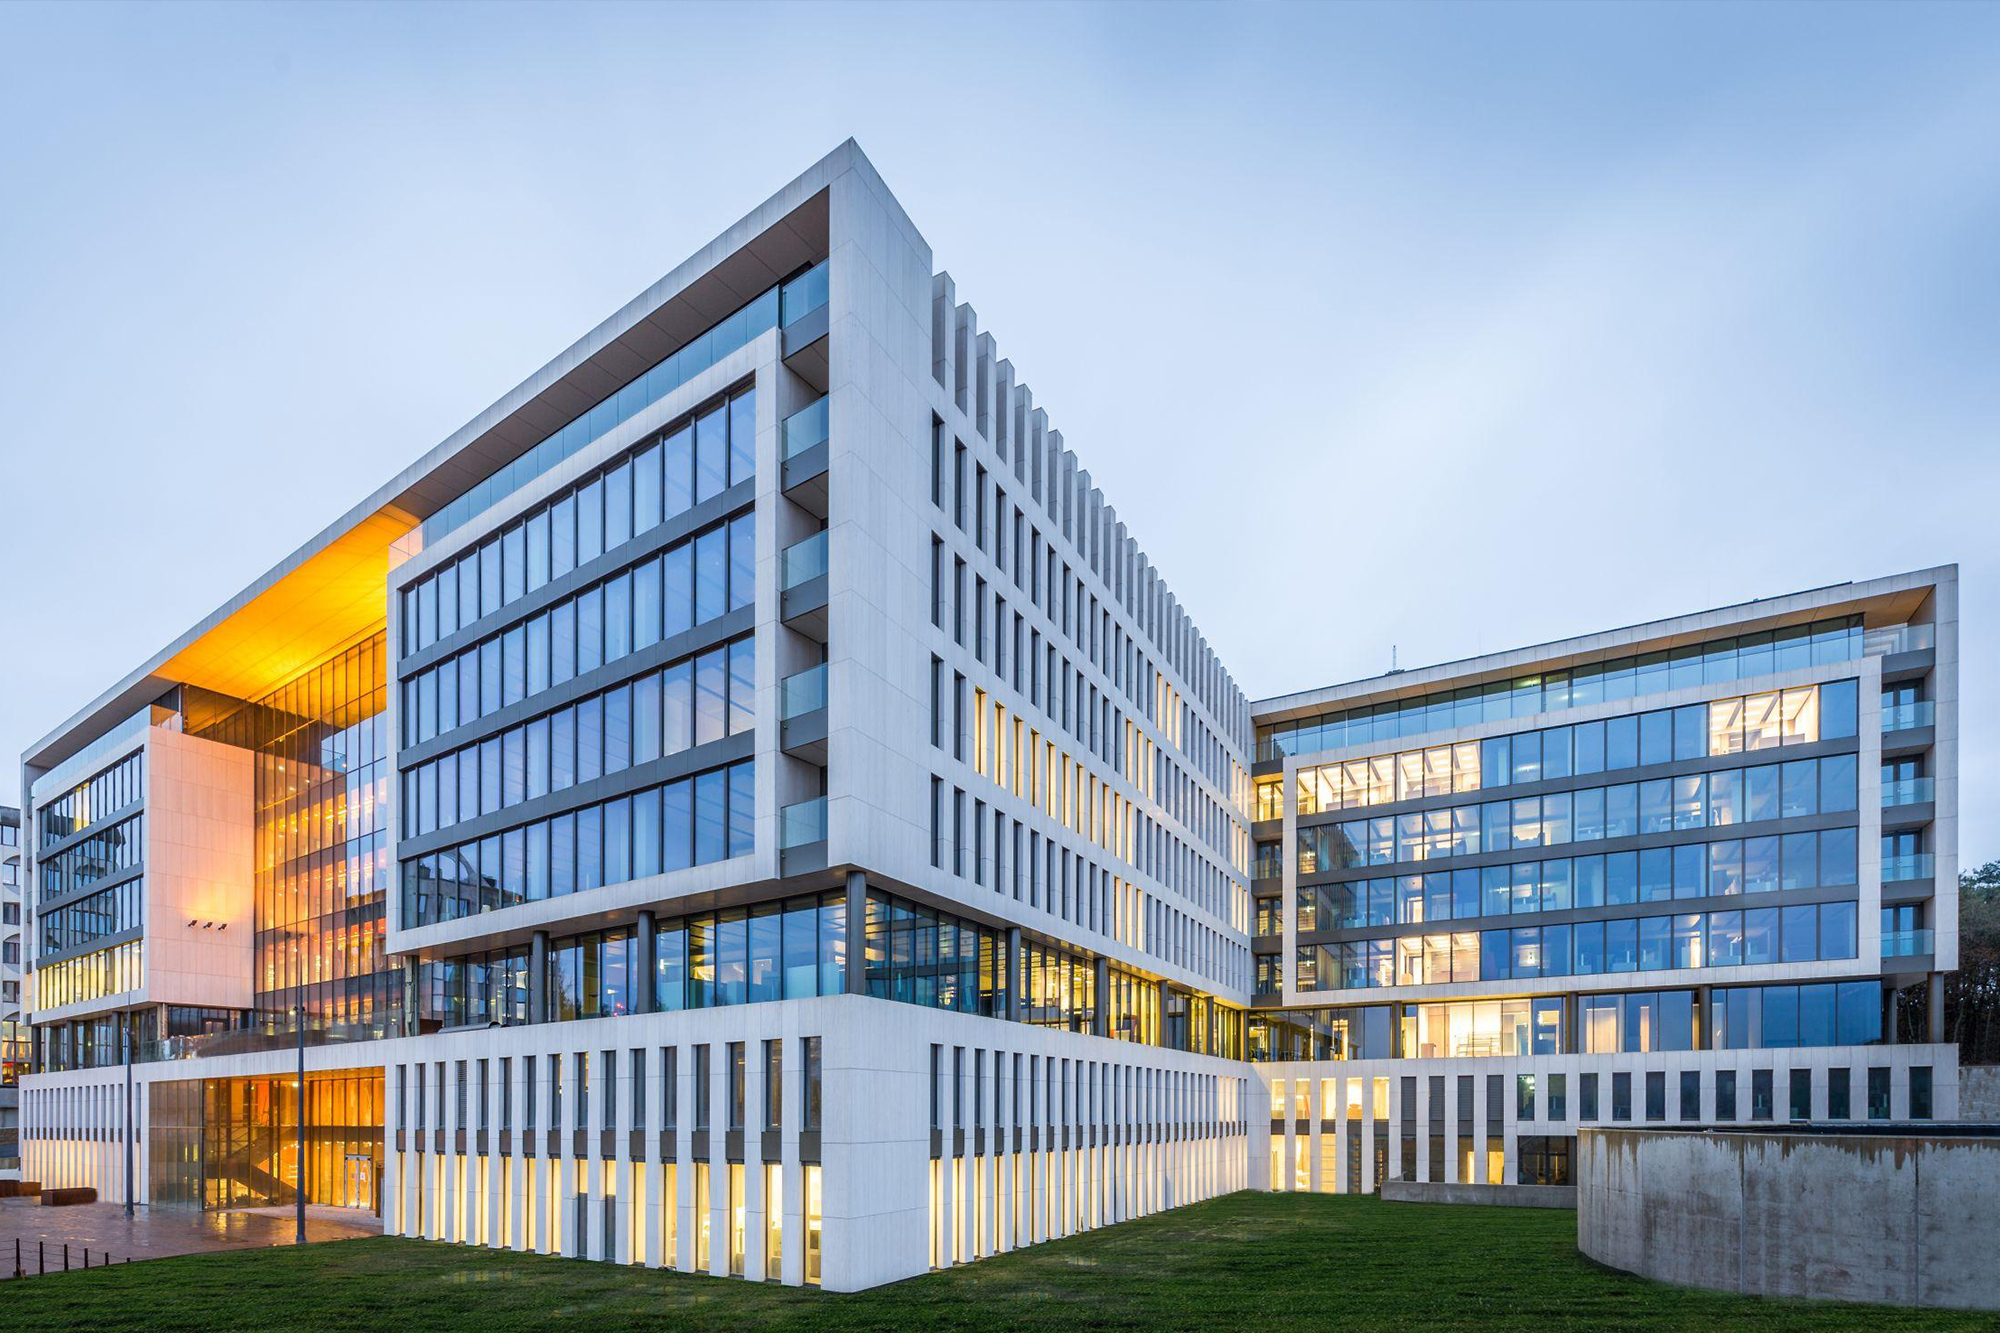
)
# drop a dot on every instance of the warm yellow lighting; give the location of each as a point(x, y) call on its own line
point(334, 596)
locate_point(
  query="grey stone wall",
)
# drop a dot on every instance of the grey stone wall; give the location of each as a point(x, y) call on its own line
point(1502, 1196)
point(1979, 1092)
point(1903, 1220)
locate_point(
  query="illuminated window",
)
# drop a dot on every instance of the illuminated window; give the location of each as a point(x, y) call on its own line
point(736, 1219)
point(670, 1216)
point(774, 1220)
point(811, 1207)
point(701, 1217)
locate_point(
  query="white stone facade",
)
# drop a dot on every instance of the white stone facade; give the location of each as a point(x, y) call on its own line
point(1020, 727)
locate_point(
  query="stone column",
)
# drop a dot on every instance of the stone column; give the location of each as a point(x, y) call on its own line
point(1935, 1030)
point(1016, 970)
point(645, 1002)
point(1100, 1023)
point(538, 978)
point(857, 933)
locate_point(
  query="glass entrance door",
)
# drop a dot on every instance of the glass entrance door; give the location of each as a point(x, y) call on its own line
point(358, 1183)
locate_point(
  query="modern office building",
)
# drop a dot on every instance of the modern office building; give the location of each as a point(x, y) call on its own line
point(13, 1027)
point(745, 803)
point(1699, 871)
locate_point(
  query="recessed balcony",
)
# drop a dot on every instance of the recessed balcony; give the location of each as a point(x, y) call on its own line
point(802, 837)
point(1907, 944)
point(802, 316)
point(802, 715)
point(802, 586)
point(805, 458)
point(1903, 869)
point(1908, 717)
point(1907, 791)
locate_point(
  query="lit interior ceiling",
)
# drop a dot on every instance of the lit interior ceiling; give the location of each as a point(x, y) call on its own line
point(325, 603)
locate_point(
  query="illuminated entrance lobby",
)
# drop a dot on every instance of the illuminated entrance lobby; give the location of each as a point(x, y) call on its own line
point(745, 803)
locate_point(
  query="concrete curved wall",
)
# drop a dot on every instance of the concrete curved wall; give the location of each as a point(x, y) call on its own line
point(1903, 1220)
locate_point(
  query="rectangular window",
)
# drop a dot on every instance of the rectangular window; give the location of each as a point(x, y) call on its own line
point(774, 1221)
point(1801, 1094)
point(774, 1084)
point(810, 1107)
point(702, 1221)
point(638, 1083)
point(703, 1100)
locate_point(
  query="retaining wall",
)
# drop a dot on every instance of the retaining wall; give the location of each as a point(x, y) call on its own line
point(1904, 1220)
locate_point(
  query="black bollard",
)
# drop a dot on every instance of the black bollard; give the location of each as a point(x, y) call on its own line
point(65, 1256)
point(41, 1257)
point(17, 1257)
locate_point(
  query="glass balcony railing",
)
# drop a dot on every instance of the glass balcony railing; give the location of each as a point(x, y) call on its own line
point(804, 560)
point(802, 295)
point(1904, 717)
point(1907, 943)
point(1909, 791)
point(802, 693)
point(802, 823)
point(1890, 639)
point(805, 428)
point(1916, 865)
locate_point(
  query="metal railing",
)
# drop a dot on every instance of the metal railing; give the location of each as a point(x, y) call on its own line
point(39, 1266)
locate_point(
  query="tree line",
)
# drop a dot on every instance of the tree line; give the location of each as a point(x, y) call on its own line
point(1972, 993)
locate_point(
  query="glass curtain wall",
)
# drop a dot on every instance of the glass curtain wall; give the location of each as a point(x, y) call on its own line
point(322, 855)
point(249, 1140)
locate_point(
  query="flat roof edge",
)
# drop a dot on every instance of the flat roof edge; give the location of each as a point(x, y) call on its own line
point(139, 682)
point(1779, 604)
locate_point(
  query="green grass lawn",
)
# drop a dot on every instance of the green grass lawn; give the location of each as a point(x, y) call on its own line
point(1280, 1263)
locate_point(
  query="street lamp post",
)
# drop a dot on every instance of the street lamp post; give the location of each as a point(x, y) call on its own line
point(299, 1193)
point(126, 1023)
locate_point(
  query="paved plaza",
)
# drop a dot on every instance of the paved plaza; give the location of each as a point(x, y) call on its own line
point(103, 1229)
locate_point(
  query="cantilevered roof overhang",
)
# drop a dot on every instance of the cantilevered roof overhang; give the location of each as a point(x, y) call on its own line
point(334, 587)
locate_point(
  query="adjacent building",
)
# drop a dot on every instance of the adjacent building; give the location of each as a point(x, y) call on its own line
point(13, 1030)
point(746, 803)
point(1699, 871)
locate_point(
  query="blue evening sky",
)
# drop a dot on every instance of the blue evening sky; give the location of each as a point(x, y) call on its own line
point(1447, 328)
